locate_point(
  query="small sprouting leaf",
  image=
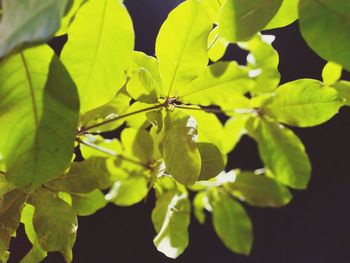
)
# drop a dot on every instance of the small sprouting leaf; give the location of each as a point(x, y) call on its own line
point(324, 25)
point(138, 144)
point(232, 224)
point(129, 191)
point(282, 152)
point(181, 46)
point(84, 177)
point(55, 223)
point(216, 45)
point(212, 161)
point(259, 190)
point(28, 22)
point(218, 84)
point(11, 205)
point(263, 62)
point(99, 51)
point(239, 20)
point(234, 129)
point(171, 218)
point(180, 149)
point(200, 202)
point(303, 103)
point(331, 73)
point(343, 88)
point(286, 15)
point(88, 203)
point(40, 107)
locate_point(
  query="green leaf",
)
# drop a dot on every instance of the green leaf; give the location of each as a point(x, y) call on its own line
point(4, 257)
point(88, 203)
point(156, 119)
point(303, 103)
point(343, 88)
point(55, 223)
point(213, 8)
point(200, 202)
point(116, 107)
point(36, 254)
point(331, 73)
point(216, 45)
point(232, 224)
point(99, 50)
point(171, 218)
point(239, 20)
point(286, 15)
point(180, 149)
point(209, 127)
point(282, 152)
point(130, 191)
point(111, 148)
point(324, 25)
point(69, 17)
point(138, 143)
point(181, 46)
point(212, 161)
point(84, 177)
point(28, 22)
point(259, 190)
point(263, 62)
point(144, 84)
point(219, 84)
point(5, 186)
point(11, 205)
point(234, 129)
point(40, 107)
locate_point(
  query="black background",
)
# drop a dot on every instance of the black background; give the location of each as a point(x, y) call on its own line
point(314, 228)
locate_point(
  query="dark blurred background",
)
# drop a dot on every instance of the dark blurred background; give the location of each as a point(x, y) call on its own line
point(314, 228)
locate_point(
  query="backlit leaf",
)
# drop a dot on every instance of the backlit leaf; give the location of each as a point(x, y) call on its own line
point(216, 45)
point(343, 88)
point(88, 203)
point(331, 73)
point(212, 161)
point(40, 107)
point(286, 15)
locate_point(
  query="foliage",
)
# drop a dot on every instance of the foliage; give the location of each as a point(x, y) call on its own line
point(166, 107)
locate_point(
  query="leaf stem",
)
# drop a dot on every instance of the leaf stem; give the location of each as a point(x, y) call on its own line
point(113, 153)
point(234, 111)
point(213, 42)
point(85, 129)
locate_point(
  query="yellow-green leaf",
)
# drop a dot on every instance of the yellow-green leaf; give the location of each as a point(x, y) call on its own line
point(331, 73)
point(286, 15)
point(212, 161)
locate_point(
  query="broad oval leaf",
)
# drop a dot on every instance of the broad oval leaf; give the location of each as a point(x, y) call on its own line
point(212, 161)
point(181, 46)
point(239, 20)
point(303, 103)
point(219, 84)
point(325, 26)
point(171, 218)
point(99, 50)
point(40, 107)
point(232, 224)
point(331, 73)
point(55, 223)
point(259, 190)
point(286, 15)
point(28, 22)
point(180, 149)
point(282, 152)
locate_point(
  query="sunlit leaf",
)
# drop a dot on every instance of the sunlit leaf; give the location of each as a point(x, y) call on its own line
point(259, 190)
point(171, 218)
point(343, 88)
point(303, 103)
point(212, 161)
point(287, 14)
point(282, 152)
point(55, 223)
point(324, 24)
point(180, 149)
point(199, 203)
point(181, 46)
point(232, 224)
point(234, 129)
point(216, 45)
point(331, 73)
point(99, 50)
point(28, 22)
point(40, 108)
point(69, 17)
point(88, 203)
point(219, 84)
point(239, 20)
